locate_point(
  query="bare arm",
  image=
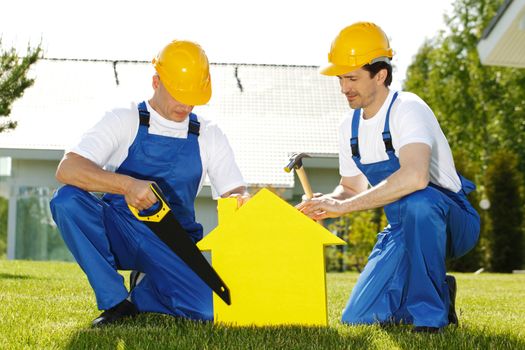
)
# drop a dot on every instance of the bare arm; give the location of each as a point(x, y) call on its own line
point(81, 172)
point(349, 187)
point(413, 175)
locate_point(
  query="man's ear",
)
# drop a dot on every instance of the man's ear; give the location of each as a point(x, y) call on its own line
point(381, 76)
point(155, 81)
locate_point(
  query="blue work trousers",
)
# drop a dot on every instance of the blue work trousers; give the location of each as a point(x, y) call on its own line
point(104, 239)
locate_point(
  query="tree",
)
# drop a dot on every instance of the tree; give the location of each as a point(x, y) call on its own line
point(13, 79)
point(359, 230)
point(13, 82)
point(480, 108)
point(505, 212)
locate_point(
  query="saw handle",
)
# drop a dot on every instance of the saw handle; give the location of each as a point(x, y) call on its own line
point(156, 214)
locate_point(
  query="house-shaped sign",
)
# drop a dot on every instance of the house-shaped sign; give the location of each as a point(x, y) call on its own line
point(271, 257)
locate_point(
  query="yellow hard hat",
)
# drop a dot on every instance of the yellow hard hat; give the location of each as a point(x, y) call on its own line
point(355, 46)
point(184, 70)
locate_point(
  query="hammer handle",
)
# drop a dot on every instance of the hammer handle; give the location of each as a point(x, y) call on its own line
point(301, 174)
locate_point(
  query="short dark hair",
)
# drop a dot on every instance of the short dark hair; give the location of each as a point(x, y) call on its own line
point(374, 68)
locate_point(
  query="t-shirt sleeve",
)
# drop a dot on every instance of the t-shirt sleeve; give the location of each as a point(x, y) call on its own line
point(347, 165)
point(414, 124)
point(102, 140)
point(223, 172)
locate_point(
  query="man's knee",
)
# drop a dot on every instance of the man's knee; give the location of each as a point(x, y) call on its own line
point(65, 198)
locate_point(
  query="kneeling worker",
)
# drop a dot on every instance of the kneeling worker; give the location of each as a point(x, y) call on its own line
point(161, 141)
point(393, 142)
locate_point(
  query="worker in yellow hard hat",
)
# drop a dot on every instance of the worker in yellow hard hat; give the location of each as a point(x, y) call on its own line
point(156, 141)
point(393, 154)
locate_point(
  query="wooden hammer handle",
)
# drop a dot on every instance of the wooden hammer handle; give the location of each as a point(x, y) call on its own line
point(301, 174)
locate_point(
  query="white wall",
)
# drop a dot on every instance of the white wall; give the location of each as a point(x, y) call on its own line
point(206, 213)
point(5, 166)
point(30, 172)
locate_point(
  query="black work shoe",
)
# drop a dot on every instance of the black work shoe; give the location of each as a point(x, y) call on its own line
point(425, 329)
point(452, 288)
point(121, 310)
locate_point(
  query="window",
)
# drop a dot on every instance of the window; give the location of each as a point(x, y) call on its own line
point(37, 237)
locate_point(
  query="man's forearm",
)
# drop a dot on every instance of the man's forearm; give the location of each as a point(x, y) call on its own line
point(81, 172)
point(412, 175)
point(396, 186)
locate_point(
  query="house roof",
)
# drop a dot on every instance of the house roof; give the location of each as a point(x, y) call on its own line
point(503, 41)
point(267, 111)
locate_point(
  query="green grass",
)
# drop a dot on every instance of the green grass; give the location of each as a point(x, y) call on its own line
point(49, 305)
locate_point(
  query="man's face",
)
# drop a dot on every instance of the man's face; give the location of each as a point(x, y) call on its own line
point(359, 88)
point(170, 108)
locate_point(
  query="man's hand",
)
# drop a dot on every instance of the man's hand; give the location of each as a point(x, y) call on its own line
point(241, 198)
point(240, 193)
point(139, 195)
point(332, 205)
point(321, 207)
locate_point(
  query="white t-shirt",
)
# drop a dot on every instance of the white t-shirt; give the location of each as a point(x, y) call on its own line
point(107, 143)
point(411, 121)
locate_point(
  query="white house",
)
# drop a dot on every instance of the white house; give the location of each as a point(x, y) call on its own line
point(503, 41)
point(267, 111)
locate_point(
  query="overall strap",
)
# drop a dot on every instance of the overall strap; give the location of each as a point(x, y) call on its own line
point(194, 125)
point(387, 137)
point(143, 114)
point(354, 142)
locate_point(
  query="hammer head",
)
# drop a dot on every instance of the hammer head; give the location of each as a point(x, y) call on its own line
point(296, 161)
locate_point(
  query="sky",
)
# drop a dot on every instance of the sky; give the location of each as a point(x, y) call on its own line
point(230, 31)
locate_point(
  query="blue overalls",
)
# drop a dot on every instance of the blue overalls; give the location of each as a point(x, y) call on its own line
point(404, 279)
point(104, 236)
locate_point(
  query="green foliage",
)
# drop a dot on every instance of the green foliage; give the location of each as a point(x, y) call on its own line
point(359, 231)
point(480, 108)
point(3, 227)
point(506, 213)
point(50, 306)
point(13, 79)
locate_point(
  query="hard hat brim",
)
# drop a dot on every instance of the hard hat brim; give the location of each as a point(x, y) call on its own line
point(191, 98)
point(334, 70)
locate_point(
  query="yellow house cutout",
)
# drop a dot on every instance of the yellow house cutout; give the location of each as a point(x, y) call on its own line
point(271, 257)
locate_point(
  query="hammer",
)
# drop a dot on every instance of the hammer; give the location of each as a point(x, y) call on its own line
point(296, 162)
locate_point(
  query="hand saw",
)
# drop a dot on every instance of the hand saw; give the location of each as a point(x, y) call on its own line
point(163, 223)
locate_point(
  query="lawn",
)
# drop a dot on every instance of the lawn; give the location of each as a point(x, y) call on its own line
point(49, 305)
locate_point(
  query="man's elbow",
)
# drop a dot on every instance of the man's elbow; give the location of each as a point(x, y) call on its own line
point(59, 175)
point(414, 180)
point(420, 180)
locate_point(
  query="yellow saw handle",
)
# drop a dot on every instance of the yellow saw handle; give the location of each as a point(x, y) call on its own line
point(159, 213)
